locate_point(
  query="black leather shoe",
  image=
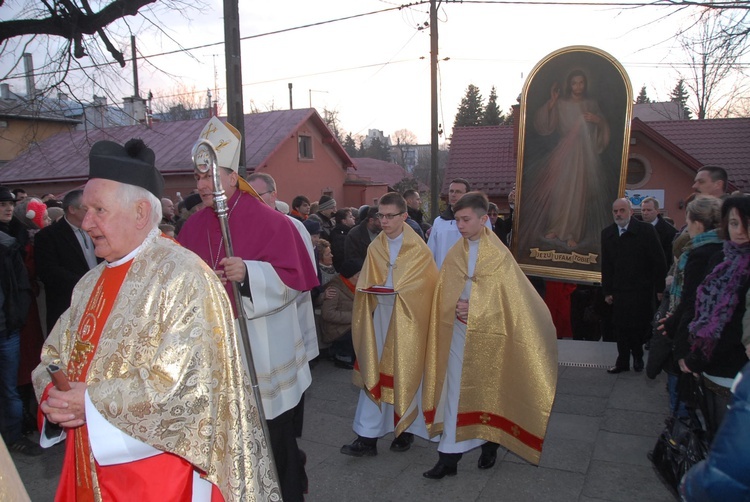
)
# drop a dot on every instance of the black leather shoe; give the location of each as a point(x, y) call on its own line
point(616, 369)
point(487, 460)
point(440, 471)
point(403, 442)
point(360, 449)
point(638, 365)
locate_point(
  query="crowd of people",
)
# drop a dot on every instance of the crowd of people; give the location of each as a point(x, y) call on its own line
point(700, 332)
point(140, 312)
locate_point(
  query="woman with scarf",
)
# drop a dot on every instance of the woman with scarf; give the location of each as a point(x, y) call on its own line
point(716, 331)
point(703, 219)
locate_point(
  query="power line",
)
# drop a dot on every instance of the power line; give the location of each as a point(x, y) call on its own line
point(658, 3)
point(249, 37)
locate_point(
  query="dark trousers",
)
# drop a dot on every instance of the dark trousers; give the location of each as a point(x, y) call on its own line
point(451, 459)
point(632, 312)
point(286, 454)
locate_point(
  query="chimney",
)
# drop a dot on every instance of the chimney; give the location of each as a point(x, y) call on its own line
point(28, 67)
point(135, 109)
point(5, 91)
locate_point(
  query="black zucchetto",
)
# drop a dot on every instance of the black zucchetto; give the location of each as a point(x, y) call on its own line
point(132, 164)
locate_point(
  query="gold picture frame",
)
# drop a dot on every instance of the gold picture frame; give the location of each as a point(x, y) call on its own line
point(574, 131)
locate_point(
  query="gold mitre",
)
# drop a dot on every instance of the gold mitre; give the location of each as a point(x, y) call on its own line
point(225, 139)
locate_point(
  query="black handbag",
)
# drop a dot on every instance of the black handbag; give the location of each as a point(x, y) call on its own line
point(684, 440)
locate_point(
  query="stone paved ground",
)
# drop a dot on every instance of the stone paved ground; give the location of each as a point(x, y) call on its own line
point(601, 428)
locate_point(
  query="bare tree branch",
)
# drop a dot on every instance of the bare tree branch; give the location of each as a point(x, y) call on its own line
point(68, 21)
point(715, 75)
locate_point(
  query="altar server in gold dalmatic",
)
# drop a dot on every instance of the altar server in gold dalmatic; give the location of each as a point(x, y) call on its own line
point(389, 331)
point(491, 361)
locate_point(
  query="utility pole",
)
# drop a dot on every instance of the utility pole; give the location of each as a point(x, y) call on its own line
point(434, 189)
point(233, 59)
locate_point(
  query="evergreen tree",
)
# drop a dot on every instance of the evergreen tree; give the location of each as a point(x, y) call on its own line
point(378, 150)
point(492, 114)
point(350, 145)
point(362, 150)
point(680, 95)
point(642, 97)
point(470, 111)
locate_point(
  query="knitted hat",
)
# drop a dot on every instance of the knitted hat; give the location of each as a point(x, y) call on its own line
point(326, 202)
point(35, 211)
point(132, 164)
point(312, 226)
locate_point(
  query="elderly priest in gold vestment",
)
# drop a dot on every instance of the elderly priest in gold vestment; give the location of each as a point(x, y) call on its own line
point(158, 406)
point(491, 360)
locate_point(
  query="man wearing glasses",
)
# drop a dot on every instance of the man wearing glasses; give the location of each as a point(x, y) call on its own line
point(444, 233)
point(389, 331)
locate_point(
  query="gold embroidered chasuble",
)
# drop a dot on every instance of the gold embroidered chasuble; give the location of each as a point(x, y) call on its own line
point(509, 372)
point(394, 377)
point(167, 370)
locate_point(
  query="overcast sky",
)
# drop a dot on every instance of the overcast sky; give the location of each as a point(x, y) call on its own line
point(374, 69)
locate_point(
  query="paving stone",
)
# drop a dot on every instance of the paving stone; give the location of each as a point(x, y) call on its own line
point(331, 482)
point(566, 454)
point(524, 482)
point(623, 448)
point(573, 426)
point(633, 422)
point(634, 391)
point(587, 375)
point(411, 485)
point(625, 483)
point(329, 429)
point(584, 386)
point(580, 405)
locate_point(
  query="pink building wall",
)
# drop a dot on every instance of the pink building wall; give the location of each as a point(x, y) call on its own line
point(664, 173)
point(324, 173)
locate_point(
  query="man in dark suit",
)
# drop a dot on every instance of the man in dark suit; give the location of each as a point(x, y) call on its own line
point(633, 273)
point(63, 253)
point(665, 231)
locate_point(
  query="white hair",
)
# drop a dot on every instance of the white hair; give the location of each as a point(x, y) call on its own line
point(131, 194)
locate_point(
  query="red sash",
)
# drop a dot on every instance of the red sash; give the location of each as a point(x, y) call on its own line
point(75, 481)
point(162, 477)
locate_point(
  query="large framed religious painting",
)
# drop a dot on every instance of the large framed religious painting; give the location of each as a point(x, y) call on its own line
point(574, 131)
